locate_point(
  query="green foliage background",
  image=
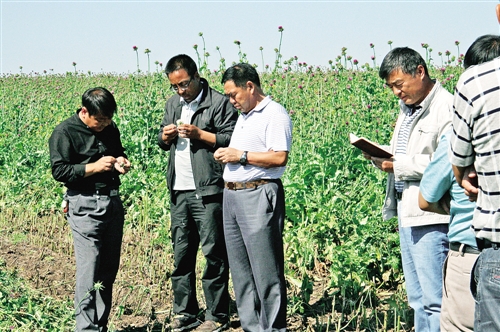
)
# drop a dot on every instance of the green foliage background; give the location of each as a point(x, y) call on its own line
point(334, 196)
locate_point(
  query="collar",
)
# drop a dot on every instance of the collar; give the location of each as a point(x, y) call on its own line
point(196, 100)
point(260, 106)
point(426, 102)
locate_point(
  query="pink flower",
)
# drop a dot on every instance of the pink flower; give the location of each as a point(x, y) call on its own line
point(134, 48)
point(280, 28)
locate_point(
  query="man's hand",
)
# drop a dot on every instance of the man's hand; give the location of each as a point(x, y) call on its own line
point(105, 164)
point(384, 164)
point(122, 165)
point(227, 155)
point(469, 183)
point(188, 131)
point(169, 133)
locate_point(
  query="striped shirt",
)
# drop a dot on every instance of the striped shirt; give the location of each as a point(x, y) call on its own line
point(266, 127)
point(411, 113)
point(476, 140)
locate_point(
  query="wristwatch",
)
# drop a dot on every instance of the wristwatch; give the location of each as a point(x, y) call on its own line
point(243, 158)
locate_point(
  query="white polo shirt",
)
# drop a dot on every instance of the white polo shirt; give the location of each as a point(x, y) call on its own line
point(267, 127)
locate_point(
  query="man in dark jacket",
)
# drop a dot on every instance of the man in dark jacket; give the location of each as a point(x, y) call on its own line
point(198, 120)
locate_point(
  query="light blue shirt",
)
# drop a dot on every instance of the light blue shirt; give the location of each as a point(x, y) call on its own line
point(438, 179)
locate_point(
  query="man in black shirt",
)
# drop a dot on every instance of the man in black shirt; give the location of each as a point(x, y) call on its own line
point(87, 155)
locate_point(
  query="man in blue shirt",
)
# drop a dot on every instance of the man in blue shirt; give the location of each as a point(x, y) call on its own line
point(436, 187)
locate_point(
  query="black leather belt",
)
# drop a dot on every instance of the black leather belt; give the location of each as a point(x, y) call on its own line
point(111, 192)
point(466, 249)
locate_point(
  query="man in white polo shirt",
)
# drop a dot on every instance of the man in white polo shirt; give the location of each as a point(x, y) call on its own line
point(254, 200)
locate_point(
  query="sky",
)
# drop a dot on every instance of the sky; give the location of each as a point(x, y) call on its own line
point(99, 36)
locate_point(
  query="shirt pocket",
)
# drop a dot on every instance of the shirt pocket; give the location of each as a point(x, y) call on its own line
point(426, 139)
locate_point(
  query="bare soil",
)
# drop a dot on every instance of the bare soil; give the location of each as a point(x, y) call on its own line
point(53, 274)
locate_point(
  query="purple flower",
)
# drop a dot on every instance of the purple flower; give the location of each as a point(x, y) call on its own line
point(280, 28)
point(134, 48)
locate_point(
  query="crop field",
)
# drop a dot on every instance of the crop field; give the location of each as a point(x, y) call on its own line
point(342, 261)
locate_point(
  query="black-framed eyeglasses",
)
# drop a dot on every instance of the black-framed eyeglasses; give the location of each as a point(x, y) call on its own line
point(183, 86)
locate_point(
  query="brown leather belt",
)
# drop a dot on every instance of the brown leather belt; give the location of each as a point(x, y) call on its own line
point(246, 185)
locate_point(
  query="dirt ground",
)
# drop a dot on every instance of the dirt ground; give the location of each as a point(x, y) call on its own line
point(54, 274)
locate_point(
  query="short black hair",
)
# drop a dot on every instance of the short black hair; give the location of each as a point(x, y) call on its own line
point(483, 49)
point(181, 61)
point(99, 101)
point(240, 74)
point(403, 58)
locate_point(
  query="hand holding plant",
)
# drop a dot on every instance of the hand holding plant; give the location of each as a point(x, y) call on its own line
point(122, 165)
point(169, 133)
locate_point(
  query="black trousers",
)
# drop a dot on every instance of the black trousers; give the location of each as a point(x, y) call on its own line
point(197, 220)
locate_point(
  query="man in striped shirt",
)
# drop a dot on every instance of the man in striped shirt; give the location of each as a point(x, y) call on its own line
point(475, 145)
point(425, 112)
point(254, 200)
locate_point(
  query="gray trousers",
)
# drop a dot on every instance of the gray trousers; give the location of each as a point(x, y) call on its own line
point(198, 220)
point(253, 227)
point(97, 226)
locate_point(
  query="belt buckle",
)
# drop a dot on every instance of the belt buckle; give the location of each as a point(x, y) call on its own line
point(230, 185)
point(113, 192)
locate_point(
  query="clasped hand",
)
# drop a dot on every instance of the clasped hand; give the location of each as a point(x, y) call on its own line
point(184, 130)
point(108, 163)
point(227, 155)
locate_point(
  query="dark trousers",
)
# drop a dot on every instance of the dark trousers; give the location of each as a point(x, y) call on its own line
point(253, 226)
point(97, 226)
point(198, 220)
